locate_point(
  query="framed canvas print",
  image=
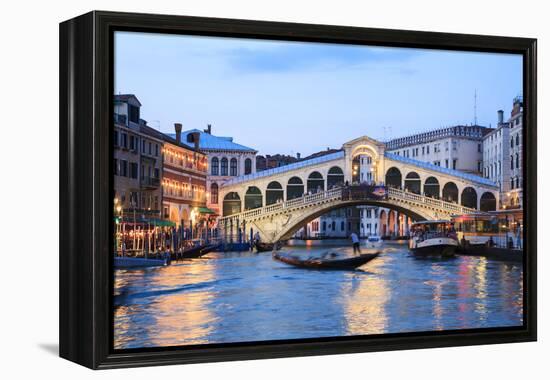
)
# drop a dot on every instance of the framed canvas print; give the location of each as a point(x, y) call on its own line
point(237, 189)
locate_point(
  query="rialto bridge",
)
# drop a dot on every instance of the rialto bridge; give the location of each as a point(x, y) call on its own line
point(277, 202)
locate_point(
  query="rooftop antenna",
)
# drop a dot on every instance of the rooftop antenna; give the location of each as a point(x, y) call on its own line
point(475, 106)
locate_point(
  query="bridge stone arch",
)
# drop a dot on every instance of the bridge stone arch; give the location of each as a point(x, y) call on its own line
point(487, 202)
point(293, 223)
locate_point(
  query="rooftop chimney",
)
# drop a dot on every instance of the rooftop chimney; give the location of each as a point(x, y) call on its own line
point(196, 139)
point(177, 127)
point(208, 129)
point(500, 116)
point(298, 155)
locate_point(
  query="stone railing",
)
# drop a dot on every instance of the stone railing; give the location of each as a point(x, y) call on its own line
point(396, 195)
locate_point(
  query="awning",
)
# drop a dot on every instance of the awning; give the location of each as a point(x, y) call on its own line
point(141, 220)
point(206, 210)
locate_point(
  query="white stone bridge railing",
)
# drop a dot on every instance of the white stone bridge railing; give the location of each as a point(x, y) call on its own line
point(394, 196)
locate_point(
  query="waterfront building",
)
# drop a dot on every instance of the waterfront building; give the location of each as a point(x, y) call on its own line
point(459, 147)
point(502, 156)
point(515, 197)
point(137, 162)
point(275, 161)
point(496, 154)
point(184, 180)
point(226, 159)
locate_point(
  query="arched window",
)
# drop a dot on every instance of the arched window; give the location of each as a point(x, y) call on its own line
point(517, 140)
point(224, 163)
point(231, 204)
point(511, 162)
point(214, 193)
point(335, 177)
point(517, 160)
point(233, 167)
point(450, 192)
point(294, 188)
point(248, 166)
point(487, 202)
point(215, 166)
point(469, 197)
point(252, 198)
point(412, 182)
point(431, 187)
point(315, 183)
point(393, 178)
point(274, 193)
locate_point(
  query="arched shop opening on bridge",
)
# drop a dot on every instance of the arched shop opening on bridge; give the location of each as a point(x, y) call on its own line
point(362, 168)
point(412, 182)
point(469, 197)
point(294, 188)
point(231, 204)
point(450, 192)
point(315, 183)
point(335, 177)
point(252, 198)
point(393, 178)
point(488, 202)
point(431, 187)
point(274, 193)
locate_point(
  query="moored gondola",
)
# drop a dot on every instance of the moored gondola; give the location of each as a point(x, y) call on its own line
point(193, 252)
point(265, 247)
point(326, 263)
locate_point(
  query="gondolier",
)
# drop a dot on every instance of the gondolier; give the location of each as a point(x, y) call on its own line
point(355, 242)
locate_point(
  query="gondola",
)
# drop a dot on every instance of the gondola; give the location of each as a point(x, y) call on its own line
point(324, 263)
point(264, 247)
point(193, 252)
point(209, 248)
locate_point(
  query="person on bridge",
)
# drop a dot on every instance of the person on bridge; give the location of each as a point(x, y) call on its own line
point(355, 242)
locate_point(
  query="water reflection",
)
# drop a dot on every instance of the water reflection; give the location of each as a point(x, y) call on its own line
point(238, 297)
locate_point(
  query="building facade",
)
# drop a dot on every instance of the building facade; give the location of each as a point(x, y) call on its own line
point(137, 160)
point(496, 154)
point(225, 160)
point(515, 198)
point(458, 148)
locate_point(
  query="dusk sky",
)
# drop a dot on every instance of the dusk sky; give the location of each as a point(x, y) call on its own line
point(289, 97)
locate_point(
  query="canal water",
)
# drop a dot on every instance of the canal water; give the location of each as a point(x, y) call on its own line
point(244, 297)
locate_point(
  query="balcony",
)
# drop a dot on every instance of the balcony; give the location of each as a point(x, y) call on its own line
point(150, 182)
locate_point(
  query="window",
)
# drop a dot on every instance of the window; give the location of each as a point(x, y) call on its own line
point(511, 183)
point(133, 170)
point(369, 213)
point(454, 164)
point(215, 166)
point(124, 142)
point(156, 150)
point(512, 143)
point(479, 148)
point(517, 182)
point(233, 167)
point(342, 226)
point(214, 193)
point(150, 148)
point(124, 168)
point(517, 140)
point(517, 160)
point(479, 166)
point(248, 166)
point(427, 149)
point(324, 226)
point(224, 166)
point(447, 163)
point(133, 112)
point(132, 142)
point(423, 150)
point(142, 146)
point(157, 173)
point(511, 162)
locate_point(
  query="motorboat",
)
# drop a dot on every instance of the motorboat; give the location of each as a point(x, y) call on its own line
point(374, 242)
point(433, 238)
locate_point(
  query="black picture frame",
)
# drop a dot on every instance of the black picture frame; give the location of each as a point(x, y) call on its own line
point(86, 88)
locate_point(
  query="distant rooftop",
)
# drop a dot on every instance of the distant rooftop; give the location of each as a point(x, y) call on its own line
point(465, 131)
point(210, 142)
point(286, 168)
point(126, 97)
point(456, 173)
